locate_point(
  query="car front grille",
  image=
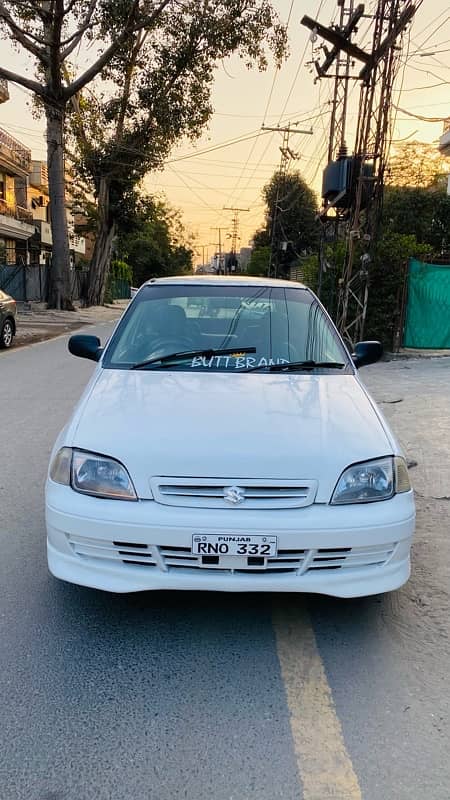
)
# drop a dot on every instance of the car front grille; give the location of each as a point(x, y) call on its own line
point(250, 494)
point(169, 558)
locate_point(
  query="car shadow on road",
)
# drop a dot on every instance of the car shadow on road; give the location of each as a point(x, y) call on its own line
point(199, 619)
point(197, 607)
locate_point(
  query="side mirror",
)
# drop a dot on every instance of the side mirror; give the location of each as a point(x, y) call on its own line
point(367, 353)
point(85, 347)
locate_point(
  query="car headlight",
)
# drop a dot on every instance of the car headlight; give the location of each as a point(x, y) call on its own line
point(373, 480)
point(91, 473)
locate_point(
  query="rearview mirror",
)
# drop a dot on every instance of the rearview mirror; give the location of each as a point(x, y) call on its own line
point(85, 347)
point(367, 353)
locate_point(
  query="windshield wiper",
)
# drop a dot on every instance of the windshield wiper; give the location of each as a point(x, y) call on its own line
point(296, 365)
point(209, 353)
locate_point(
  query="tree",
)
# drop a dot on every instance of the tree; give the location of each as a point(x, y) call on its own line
point(415, 223)
point(259, 261)
point(310, 272)
point(423, 212)
point(161, 92)
point(387, 279)
point(417, 164)
point(154, 244)
point(291, 230)
point(50, 31)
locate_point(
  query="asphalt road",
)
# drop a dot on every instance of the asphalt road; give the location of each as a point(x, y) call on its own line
point(211, 697)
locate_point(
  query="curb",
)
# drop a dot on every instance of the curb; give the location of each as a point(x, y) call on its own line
point(416, 355)
point(52, 337)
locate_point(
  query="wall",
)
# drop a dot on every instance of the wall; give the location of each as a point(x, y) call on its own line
point(39, 212)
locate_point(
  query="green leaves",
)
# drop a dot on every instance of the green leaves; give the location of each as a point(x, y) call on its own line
point(421, 211)
point(156, 245)
point(159, 82)
point(259, 261)
point(291, 227)
point(417, 165)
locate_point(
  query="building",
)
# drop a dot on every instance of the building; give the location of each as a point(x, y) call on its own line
point(25, 223)
point(444, 145)
point(16, 221)
point(82, 227)
point(38, 204)
point(77, 243)
point(444, 141)
point(244, 258)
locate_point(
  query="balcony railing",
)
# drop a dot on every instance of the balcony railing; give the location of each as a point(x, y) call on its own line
point(17, 212)
point(14, 150)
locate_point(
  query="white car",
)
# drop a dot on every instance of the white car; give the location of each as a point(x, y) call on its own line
point(225, 442)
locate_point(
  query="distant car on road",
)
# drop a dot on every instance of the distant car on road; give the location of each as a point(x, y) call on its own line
point(234, 449)
point(7, 320)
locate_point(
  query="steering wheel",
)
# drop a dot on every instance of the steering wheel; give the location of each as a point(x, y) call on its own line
point(166, 346)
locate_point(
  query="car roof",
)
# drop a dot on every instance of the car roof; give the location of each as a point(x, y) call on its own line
point(230, 280)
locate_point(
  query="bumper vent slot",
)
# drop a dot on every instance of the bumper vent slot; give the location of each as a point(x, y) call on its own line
point(171, 557)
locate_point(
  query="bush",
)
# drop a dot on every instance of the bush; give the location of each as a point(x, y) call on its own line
point(259, 262)
point(121, 270)
point(120, 273)
point(310, 272)
point(387, 278)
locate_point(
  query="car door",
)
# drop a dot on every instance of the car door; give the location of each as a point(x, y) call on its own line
point(3, 307)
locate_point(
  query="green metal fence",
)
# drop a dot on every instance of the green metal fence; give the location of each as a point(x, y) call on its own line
point(428, 306)
point(120, 289)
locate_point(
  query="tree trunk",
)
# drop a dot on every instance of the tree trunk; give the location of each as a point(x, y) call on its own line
point(101, 258)
point(59, 291)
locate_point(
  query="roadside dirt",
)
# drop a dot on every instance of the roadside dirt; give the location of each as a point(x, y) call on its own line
point(39, 324)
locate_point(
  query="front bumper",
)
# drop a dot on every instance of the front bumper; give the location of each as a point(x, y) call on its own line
point(345, 551)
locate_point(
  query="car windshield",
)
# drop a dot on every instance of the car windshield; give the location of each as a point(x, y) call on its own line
point(258, 326)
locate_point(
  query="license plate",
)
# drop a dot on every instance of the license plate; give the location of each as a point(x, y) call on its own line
point(225, 544)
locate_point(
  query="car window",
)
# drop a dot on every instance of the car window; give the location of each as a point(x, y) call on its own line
point(282, 324)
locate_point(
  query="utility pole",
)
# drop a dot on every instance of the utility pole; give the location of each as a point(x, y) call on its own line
point(378, 78)
point(287, 156)
point(203, 248)
point(337, 146)
point(348, 20)
point(234, 235)
point(220, 268)
point(353, 186)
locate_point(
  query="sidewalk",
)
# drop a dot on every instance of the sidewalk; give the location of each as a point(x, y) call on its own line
point(36, 323)
point(412, 352)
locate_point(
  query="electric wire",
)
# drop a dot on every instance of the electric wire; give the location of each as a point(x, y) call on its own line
point(269, 99)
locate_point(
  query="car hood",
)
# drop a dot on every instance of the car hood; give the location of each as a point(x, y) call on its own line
point(263, 426)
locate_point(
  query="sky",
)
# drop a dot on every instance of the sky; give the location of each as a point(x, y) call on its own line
point(201, 183)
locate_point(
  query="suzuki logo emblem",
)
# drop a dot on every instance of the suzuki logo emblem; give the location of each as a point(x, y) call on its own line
point(234, 494)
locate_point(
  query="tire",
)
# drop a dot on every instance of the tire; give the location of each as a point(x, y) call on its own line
point(7, 334)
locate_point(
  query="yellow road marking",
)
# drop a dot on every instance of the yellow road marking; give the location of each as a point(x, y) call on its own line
point(324, 765)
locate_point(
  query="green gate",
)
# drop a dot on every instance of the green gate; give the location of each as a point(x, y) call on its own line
point(428, 307)
point(120, 289)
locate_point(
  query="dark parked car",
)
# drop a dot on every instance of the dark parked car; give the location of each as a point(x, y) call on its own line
point(7, 319)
